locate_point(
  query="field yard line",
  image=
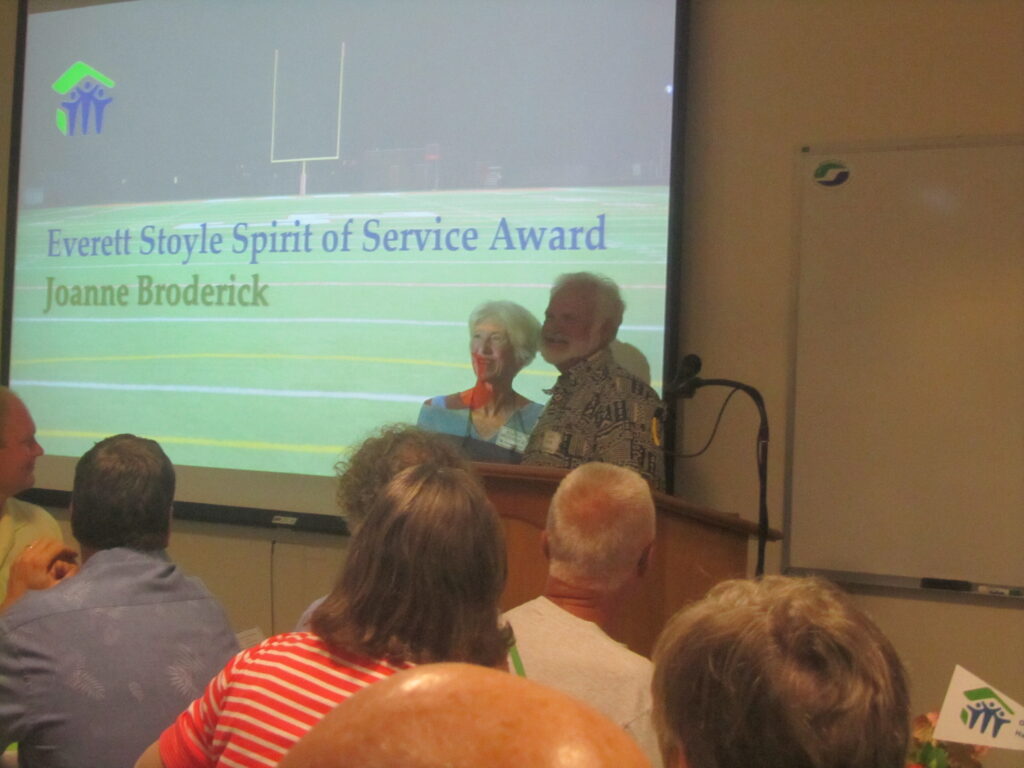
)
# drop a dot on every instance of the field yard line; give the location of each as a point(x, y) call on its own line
point(339, 320)
point(369, 320)
point(392, 284)
point(233, 356)
point(251, 391)
point(252, 445)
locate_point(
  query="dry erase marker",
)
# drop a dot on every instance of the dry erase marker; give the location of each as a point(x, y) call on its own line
point(988, 589)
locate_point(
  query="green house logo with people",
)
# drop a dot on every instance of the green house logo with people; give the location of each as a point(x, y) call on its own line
point(85, 91)
point(985, 711)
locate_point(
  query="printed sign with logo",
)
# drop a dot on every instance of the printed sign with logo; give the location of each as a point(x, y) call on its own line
point(974, 712)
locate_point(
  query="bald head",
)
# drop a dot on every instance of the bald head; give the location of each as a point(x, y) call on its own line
point(463, 716)
point(600, 524)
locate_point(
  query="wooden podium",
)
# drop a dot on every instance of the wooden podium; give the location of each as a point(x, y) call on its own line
point(695, 548)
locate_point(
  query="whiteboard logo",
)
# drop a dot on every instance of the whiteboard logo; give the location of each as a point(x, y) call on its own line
point(831, 174)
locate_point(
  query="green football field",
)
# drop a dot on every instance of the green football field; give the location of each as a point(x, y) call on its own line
point(336, 343)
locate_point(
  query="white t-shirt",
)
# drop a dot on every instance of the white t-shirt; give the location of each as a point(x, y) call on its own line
point(576, 657)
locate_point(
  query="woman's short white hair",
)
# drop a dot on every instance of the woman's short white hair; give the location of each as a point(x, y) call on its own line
point(522, 327)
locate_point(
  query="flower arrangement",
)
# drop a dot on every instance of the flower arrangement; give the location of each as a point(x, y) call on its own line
point(928, 752)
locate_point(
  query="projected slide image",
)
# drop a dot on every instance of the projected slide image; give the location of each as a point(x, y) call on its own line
point(279, 361)
point(255, 231)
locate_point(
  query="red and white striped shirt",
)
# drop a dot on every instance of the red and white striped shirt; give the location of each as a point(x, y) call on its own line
point(266, 699)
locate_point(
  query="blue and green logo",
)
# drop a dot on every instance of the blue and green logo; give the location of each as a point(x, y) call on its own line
point(86, 99)
point(984, 709)
point(831, 174)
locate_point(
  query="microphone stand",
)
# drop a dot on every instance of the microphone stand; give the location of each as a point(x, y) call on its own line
point(688, 384)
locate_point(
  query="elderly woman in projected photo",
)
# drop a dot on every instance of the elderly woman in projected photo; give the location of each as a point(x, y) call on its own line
point(491, 421)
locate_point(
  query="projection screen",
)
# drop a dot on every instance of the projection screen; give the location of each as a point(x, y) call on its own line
point(254, 230)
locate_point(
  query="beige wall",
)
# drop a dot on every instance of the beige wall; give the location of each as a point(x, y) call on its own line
point(766, 76)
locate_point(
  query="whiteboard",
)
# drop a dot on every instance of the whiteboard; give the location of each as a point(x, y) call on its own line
point(906, 458)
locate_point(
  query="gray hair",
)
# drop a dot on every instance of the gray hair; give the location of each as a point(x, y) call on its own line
point(608, 297)
point(600, 522)
point(522, 327)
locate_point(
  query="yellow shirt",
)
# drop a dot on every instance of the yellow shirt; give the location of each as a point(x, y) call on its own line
point(21, 523)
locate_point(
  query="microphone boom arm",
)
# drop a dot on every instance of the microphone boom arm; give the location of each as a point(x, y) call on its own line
point(687, 388)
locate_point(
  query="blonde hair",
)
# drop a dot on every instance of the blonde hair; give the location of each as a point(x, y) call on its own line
point(779, 672)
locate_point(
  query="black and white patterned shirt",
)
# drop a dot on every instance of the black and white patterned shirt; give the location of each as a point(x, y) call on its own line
point(599, 411)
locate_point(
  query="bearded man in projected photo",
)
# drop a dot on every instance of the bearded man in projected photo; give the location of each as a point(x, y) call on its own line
point(491, 421)
point(598, 410)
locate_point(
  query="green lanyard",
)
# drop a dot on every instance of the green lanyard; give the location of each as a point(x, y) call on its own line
point(517, 662)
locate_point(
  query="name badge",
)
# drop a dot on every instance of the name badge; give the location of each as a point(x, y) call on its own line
point(511, 438)
point(551, 441)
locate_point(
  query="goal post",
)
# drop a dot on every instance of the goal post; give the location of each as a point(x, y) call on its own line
point(273, 123)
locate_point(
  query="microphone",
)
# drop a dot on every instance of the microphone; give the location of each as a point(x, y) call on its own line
point(691, 365)
point(686, 381)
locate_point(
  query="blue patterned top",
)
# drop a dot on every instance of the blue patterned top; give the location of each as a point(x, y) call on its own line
point(505, 446)
point(93, 669)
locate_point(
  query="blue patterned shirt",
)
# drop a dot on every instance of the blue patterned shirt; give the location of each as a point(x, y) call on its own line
point(93, 669)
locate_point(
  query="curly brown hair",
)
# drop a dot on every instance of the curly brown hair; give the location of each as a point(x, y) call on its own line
point(362, 475)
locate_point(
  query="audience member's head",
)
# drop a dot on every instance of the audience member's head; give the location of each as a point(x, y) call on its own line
point(600, 526)
point(462, 716)
point(423, 574)
point(18, 447)
point(781, 672)
point(122, 495)
point(379, 458)
point(583, 315)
